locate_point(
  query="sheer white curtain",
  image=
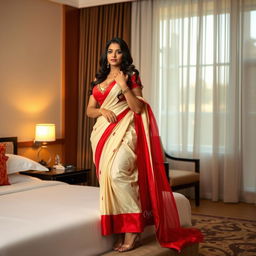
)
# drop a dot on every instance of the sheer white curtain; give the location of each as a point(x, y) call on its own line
point(141, 41)
point(202, 87)
point(248, 81)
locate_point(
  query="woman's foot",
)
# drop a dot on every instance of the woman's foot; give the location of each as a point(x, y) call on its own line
point(118, 242)
point(131, 241)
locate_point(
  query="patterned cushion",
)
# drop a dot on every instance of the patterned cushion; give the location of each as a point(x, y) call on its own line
point(3, 172)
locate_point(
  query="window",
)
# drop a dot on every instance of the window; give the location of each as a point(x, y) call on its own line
point(198, 69)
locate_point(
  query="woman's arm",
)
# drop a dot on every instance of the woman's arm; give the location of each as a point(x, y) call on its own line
point(93, 111)
point(133, 102)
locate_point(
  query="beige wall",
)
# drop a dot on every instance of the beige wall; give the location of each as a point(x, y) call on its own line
point(30, 67)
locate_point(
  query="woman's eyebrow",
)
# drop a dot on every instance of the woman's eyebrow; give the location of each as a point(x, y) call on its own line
point(109, 49)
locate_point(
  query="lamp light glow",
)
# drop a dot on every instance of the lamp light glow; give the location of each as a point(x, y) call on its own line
point(45, 132)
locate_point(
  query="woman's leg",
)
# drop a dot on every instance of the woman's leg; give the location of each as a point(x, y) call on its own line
point(119, 240)
point(124, 180)
point(131, 241)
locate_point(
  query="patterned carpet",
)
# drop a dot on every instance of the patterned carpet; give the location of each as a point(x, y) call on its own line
point(226, 236)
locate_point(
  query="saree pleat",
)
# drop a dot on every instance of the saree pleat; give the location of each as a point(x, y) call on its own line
point(134, 190)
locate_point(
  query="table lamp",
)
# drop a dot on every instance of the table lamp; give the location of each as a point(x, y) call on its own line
point(44, 133)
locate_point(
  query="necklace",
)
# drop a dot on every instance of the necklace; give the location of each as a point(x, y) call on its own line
point(102, 89)
point(110, 77)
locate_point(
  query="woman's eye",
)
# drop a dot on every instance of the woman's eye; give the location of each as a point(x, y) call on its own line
point(109, 52)
point(119, 52)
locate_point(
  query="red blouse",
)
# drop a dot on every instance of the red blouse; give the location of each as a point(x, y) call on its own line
point(101, 96)
point(134, 83)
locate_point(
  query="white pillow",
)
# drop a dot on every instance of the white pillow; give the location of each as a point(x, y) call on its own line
point(16, 163)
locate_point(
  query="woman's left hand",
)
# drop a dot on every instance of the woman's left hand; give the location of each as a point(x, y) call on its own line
point(121, 79)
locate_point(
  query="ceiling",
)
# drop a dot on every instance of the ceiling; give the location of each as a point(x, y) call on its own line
point(88, 3)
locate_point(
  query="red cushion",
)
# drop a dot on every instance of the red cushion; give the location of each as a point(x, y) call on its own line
point(3, 171)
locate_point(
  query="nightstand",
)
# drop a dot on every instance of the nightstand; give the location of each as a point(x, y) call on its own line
point(71, 176)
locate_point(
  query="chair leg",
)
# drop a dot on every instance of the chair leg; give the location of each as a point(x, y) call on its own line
point(197, 193)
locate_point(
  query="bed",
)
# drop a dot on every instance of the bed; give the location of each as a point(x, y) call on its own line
point(54, 218)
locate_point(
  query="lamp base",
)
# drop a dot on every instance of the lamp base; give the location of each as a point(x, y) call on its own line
point(42, 162)
point(44, 156)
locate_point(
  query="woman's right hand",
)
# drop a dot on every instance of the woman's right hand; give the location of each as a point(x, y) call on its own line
point(109, 115)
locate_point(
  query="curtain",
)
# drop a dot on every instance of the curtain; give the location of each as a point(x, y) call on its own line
point(202, 88)
point(248, 92)
point(141, 43)
point(97, 25)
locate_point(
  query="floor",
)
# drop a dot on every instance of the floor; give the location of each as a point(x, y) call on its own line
point(207, 207)
point(235, 210)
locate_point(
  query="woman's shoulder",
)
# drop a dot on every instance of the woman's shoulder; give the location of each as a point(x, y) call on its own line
point(135, 81)
point(134, 76)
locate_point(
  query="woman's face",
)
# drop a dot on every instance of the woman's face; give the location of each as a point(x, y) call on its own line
point(114, 54)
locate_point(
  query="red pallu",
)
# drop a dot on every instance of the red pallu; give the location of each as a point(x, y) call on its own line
point(157, 201)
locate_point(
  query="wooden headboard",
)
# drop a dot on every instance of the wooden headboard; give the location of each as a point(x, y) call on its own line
point(13, 144)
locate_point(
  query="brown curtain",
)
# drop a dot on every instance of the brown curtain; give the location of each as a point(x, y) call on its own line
point(97, 25)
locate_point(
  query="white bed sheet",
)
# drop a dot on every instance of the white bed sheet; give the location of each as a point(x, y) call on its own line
point(21, 182)
point(57, 219)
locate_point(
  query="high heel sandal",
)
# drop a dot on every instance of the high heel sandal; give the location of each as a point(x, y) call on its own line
point(118, 243)
point(128, 247)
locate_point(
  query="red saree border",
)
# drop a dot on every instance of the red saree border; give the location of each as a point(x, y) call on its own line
point(104, 138)
point(121, 223)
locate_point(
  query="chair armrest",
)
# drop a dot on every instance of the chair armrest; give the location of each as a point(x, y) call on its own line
point(196, 161)
point(166, 167)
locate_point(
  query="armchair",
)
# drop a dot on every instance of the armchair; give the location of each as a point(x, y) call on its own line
point(180, 179)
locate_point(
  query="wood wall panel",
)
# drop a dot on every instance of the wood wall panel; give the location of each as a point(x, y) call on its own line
point(71, 60)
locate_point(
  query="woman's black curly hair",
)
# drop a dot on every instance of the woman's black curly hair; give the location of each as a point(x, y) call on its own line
point(126, 65)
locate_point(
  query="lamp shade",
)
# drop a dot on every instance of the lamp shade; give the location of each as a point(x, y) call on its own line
point(45, 132)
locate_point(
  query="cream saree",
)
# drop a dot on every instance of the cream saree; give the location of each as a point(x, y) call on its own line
point(134, 191)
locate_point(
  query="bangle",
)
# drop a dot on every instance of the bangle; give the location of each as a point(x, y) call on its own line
point(125, 90)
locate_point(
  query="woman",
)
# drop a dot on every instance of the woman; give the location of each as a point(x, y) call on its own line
point(134, 191)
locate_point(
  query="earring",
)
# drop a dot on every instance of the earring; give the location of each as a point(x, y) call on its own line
point(108, 65)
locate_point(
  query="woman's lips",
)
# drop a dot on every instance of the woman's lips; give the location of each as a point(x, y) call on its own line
point(114, 60)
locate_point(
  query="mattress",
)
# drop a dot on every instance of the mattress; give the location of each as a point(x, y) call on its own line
point(54, 218)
